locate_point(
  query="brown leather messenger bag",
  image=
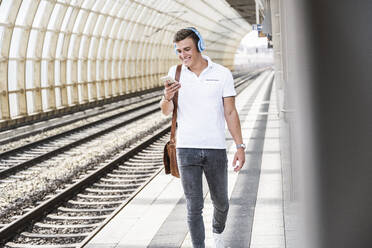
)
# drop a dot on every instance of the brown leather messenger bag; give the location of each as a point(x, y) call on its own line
point(169, 157)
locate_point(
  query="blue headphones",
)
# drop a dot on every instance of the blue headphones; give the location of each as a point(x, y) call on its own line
point(201, 44)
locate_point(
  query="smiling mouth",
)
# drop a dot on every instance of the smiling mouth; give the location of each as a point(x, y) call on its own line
point(187, 59)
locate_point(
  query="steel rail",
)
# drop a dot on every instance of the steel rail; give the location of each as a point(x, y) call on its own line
point(80, 116)
point(4, 173)
point(13, 228)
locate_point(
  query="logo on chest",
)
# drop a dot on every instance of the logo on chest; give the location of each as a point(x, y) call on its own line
point(212, 80)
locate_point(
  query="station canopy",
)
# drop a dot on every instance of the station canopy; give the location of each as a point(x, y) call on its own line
point(55, 54)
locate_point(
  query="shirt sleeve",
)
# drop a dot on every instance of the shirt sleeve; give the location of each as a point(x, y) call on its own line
point(228, 87)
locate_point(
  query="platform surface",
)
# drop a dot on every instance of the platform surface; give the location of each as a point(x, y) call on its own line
point(156, 217)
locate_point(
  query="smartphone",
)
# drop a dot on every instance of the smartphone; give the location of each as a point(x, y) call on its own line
point(168, 79)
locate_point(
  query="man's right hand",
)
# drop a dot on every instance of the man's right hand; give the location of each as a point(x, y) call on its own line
point(170, 90)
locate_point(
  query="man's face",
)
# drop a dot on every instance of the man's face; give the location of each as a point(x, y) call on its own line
point(187, 51)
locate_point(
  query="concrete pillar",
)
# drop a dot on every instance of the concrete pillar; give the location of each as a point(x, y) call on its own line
point(276, 36)
point(297, 115)
point(341, 65)
point(328, 73)
point(286, 20)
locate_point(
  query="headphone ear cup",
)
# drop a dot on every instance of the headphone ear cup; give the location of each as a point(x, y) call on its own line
point(175, 48)
point(201, 45)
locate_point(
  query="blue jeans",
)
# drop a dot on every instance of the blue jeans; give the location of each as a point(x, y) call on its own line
point(192, 163)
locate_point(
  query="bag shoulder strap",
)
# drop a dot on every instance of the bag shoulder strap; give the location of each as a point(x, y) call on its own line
point(175, 105)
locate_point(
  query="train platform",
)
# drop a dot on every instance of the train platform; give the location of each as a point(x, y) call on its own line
point(156, 217)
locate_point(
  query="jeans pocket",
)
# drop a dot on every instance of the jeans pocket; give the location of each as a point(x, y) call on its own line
point(185, 156)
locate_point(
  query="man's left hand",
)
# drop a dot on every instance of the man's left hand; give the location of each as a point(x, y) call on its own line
point(239, 159)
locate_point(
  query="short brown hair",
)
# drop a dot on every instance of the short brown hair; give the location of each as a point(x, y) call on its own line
point(186, 33)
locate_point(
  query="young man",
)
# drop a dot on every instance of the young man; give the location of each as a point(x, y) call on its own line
point(206, 98)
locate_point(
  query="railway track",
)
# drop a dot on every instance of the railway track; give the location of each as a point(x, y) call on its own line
point(66, 219)
point(30, 154)
point(8, 136)
point(35, 152)
point(10, 140)
point(89, 201)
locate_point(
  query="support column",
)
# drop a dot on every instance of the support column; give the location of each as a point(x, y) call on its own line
point(278, 55)
point(341, 62)
point(329, 63)
point(4, 99)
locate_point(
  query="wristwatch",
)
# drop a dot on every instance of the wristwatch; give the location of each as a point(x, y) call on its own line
point(241, 146)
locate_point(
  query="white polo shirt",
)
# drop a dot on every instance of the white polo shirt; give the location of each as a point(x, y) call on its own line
point(200, 116)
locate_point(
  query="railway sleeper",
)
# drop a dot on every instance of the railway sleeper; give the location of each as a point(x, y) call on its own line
point(33, 153)
point(53, 236)
point(17, 176)
point(157, 148)
point(117, 186)
point(102, 196)
point(103, 204)
point(138, 167)
point(158, 144)
point(22, 157)
point(5, 181)
point(143, 164)
point(108, 191)
point(72, 222)
point(70, 230)
point(39, 148)
point(15, 245)
point(64, 209)
point(126, 176)
point(9, 161)
point(150, 149)
point(52, 146)
point(79, 218)
point(58, 142)
point(56, 226)
point(154, 153)
point(123, 180)
point(134, 173)
point(147, 157)
point(133, 161)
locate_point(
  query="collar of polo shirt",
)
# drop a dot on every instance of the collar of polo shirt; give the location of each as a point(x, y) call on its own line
point(210, 63)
